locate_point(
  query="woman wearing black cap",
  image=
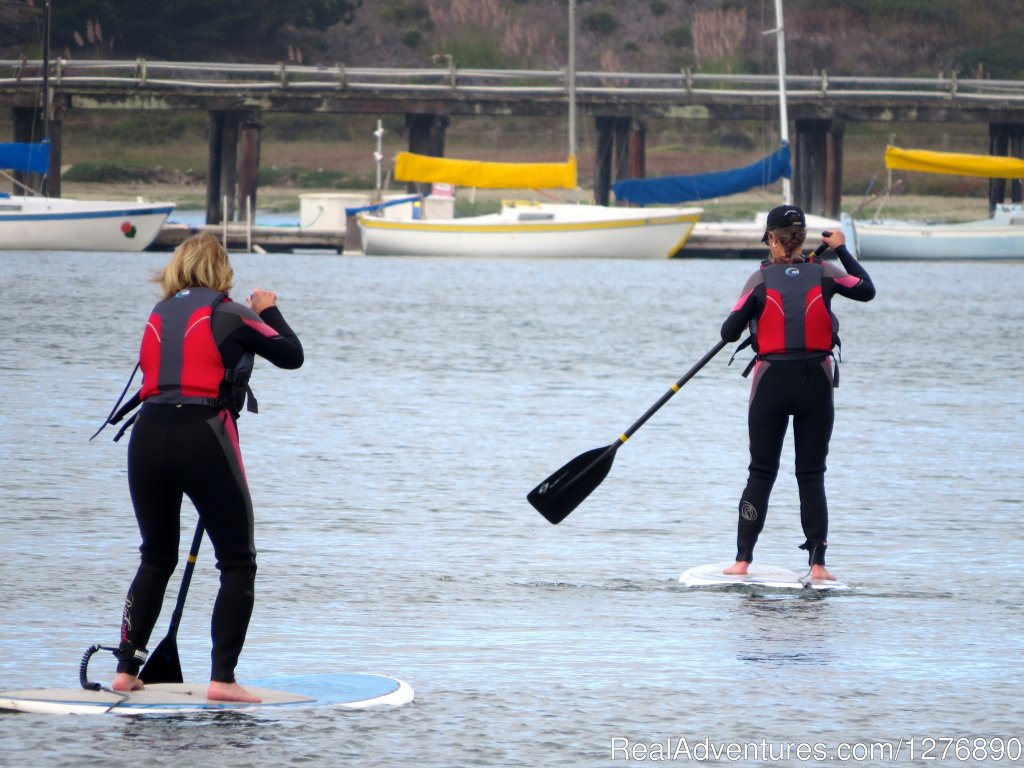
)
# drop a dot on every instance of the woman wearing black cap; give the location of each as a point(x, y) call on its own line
point(787, 306)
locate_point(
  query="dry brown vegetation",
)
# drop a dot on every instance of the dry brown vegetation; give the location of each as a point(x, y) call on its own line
point(853, 37)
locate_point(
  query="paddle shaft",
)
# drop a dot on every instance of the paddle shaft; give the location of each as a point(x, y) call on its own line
point(671, 392)
point(164, 665)
point(186, 579)
point(563, 491)
point(655, 408)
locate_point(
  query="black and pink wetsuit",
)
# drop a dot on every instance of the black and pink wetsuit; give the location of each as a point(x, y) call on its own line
point(788, 310)
point(196, 355)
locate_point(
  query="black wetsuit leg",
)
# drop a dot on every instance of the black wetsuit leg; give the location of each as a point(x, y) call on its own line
point(156, 495)
point(220, 492)
point(803, 390)
point(191, 450)
point(813, 420)
point(766, 429)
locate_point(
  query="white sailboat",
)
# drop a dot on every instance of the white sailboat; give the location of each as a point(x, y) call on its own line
point(535, 230)
point(998, 237)
point(38, 222)
point(526, 230)
point(34, 223)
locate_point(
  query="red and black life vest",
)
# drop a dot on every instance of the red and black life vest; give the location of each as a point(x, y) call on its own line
point(180, 362)
point(795, 318)
point(795, 322)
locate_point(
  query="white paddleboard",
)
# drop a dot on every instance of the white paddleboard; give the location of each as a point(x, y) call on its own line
point(758, 575)
point(349, 691)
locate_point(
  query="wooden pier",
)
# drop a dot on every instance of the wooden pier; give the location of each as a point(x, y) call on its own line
point(236, 95)
point(267, 239)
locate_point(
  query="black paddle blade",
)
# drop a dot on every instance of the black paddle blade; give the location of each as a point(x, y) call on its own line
point(561, 493)
point(163, 665)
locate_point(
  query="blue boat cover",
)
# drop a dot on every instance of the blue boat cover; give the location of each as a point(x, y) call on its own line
point(20, 156)
point(701, 186)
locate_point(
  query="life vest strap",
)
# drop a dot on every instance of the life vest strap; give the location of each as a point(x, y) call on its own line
point(239, 378)
point(127, 408)
point(743, 345)
point(124, 427)
point(116, 415)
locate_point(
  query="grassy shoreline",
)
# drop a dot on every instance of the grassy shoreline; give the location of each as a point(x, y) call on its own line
point(164, 158)
point(279, 199)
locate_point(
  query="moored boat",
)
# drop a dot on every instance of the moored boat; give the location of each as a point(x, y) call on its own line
point(742, 239)
point(62, 224)
point(999, 237)
point(525, 230)
point(536, 230)
point(41, 222)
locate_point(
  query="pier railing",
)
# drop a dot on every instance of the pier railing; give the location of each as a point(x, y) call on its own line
point(214, 77)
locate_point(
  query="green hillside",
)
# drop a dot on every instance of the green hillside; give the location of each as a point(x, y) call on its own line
point(846, 37)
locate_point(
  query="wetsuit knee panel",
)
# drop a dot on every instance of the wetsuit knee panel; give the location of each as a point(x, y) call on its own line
point(158, 561)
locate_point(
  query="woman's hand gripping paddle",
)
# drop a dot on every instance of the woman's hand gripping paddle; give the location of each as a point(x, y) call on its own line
point(163, 665)
point(563, 491)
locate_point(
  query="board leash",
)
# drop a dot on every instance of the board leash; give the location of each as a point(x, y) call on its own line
point(806, 580)
point(83, 674)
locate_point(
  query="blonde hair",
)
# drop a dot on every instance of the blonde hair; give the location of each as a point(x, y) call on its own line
point(200, 261)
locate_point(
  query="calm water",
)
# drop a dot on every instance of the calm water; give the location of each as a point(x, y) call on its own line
point(389, 477)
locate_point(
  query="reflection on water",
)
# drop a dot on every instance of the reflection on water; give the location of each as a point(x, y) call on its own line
point(785, 629)
point(389, 478)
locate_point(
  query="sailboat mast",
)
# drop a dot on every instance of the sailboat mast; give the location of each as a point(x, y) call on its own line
point(46, 69)
point(572, 77)
point(780, 50)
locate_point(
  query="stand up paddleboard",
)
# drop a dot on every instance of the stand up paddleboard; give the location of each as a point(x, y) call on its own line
point(348, 691)
point(758, 575)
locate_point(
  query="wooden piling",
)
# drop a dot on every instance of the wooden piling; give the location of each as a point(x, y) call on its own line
point(229, 166)
point(250, 131)
point(214, 212)
point(426, 137)
point(1004, 139)
point(818, 174)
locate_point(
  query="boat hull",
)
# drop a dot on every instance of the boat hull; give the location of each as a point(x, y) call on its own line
point(1001, 237)
point(541, 230)
point(742, 239)
point(61, 224)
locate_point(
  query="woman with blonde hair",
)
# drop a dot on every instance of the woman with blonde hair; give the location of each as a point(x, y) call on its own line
point(197, 354)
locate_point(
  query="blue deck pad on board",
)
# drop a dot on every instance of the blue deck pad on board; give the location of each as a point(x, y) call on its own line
point(340, 688)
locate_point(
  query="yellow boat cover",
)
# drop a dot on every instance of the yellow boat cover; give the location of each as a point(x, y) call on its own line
point(483, 175)
point(925, 161)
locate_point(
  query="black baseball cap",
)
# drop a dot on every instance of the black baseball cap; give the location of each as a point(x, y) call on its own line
point(784, 216)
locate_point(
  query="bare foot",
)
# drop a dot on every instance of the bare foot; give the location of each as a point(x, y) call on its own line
point(125, 682)
point(739, 568)
point(230, 692)
point(821, 573)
